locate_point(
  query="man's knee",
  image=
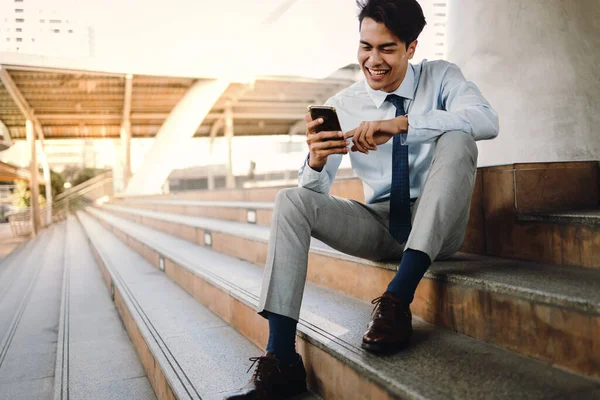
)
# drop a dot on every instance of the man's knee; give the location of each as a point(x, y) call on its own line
point(296, 198)
point(460, 146)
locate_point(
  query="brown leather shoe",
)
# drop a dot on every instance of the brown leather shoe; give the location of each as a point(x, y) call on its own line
point(390, 327)
point(273, 381)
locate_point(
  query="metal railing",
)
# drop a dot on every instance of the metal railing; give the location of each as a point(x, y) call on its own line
point(84, 185)
point(71, 200)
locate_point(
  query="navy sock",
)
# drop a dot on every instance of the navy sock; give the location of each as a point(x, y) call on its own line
point(413, 266)
point(282, 338)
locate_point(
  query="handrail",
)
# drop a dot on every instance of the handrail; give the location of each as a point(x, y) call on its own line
point(84, 194)
point(83, 185)
point(85, 190)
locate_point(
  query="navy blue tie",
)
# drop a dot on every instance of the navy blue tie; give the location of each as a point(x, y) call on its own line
point(400, 191)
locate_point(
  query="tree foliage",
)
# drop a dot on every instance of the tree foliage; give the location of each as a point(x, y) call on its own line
point(21, 196)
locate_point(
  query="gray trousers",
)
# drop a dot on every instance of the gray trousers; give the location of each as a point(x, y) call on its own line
point(439, 221)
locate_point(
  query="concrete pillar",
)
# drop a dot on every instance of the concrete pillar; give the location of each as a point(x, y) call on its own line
point(48, 179)
point(126, 130)
point(230, 180)
point(126, 151)
point(33, 183)
point(211, 179)
point(538, 63)
point(173, 136)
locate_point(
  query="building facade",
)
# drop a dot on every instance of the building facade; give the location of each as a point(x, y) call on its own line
point(33, 27)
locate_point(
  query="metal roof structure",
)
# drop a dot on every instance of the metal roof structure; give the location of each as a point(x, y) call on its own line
point(90, 105)
point(9, 173)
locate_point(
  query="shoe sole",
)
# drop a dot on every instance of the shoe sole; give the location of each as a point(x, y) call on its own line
point(291, 393)
point(383, 349)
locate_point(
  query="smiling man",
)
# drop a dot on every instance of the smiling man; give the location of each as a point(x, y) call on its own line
point(410, 133)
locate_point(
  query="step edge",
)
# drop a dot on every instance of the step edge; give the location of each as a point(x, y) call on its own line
point(558, 219)
point(62, 346)
point(208, 204)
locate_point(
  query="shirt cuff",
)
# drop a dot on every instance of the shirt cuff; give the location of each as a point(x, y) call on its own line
point(310, 177)
point(311, 174)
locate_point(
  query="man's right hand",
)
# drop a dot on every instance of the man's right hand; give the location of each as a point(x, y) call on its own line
point(322, 144)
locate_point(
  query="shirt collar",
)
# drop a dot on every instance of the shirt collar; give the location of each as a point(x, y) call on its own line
point(406, 88)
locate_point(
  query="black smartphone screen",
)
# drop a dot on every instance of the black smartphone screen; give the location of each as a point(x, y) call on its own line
point(331, 122)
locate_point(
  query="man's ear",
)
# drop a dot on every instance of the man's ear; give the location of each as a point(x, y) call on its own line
point(412, 48)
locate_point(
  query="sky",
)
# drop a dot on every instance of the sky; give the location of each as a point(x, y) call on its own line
point(312, 38)
point(204, 38)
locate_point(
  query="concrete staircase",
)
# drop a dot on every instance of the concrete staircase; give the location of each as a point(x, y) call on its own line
point(187, 351)
point(155, 297)
point(485, 327)
point(60, 336)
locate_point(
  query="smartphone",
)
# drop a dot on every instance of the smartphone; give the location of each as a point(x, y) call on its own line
point(329, 115)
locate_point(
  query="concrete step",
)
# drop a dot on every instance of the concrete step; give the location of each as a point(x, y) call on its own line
point(95, 358)
point(440, 364)
point(29, 313)
point(540, 310)
point(501, 194)
point(11, 264)
point(567, 237)
point(187, 351)
point(576, 217)
point(348, 187)
point(259, 213)
point(8, 242)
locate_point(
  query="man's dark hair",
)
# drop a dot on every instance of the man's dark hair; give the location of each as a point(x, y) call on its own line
point(403, 17)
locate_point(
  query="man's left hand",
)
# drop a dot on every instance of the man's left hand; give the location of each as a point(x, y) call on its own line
point(370, 134)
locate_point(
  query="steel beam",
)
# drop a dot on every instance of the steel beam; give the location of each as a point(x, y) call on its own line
point(214, 130)
point(126, 130)
point(48, 70)
point(173, 136)
point(34, 124)
point(158, 116)
point(230, 179)
point(33, 183)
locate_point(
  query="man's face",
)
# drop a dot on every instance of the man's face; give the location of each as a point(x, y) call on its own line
point(382, 56)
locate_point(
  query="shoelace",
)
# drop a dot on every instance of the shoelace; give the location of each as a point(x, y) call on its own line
point(260, 368)
point(384, 305)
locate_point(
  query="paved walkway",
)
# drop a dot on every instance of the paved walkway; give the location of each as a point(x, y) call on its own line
point(7, 241)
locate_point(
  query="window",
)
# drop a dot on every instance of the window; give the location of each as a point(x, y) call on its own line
point(18, 10)
point(42, 21)
point(70, 30)
point(18, 1)
point(19, 20)
point(55, 21)
point(19, 39)
point(56, 30)
point(19, 29)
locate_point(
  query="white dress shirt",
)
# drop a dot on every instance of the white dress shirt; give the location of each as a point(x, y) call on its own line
point(438, 99)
